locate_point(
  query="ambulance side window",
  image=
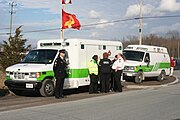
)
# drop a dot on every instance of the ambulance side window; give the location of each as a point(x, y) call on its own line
point(147, 58)
point(82, 46)
point(104, 47)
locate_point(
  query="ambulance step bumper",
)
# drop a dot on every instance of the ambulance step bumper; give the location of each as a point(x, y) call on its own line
point(22, 85)
point(129, 74)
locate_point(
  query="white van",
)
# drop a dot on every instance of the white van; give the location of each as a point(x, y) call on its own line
point(35, 72)
point(146, 61)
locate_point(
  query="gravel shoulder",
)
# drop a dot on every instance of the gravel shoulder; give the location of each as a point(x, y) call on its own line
point(28, 99)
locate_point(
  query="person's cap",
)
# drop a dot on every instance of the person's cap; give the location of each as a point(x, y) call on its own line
point(62, 51)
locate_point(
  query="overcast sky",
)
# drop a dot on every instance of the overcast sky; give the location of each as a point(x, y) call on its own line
point(46, 14)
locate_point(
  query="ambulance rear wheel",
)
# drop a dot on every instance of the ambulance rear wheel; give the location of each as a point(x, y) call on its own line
point(139, 77)
point(161, 76)
point(47, 88)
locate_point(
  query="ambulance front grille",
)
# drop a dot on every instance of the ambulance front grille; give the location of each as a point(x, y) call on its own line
point(19, 75)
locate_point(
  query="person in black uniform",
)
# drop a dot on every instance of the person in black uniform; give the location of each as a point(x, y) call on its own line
point(112, 85)
point(59, 69)
point(105, 72)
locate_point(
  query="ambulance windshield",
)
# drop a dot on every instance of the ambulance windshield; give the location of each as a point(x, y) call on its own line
point(133, 55)
point(42, 56)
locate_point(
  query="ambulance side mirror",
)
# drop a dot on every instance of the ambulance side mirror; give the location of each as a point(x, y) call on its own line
point(146, 60)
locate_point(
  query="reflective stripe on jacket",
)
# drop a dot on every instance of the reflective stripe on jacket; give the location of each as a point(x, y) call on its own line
point(93, 67)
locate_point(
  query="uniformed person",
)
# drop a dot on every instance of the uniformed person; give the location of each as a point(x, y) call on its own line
point(118, 67)
point(105, 72)
point(112, 85)
point(59, 69)
point(93, 73)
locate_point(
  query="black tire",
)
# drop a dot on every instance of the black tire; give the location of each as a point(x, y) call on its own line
point(47, 88)
point(17, 92)
point(161, 76)
point(139, 77)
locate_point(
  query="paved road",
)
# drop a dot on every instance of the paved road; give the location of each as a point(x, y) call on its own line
point(29, 99)
point(150, 104)
point(177, 73)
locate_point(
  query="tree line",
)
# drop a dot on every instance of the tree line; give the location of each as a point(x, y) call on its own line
point(15, 47)
point(170, 40)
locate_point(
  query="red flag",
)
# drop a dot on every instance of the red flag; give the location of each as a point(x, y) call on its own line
point(66, 2)
point(70, 21)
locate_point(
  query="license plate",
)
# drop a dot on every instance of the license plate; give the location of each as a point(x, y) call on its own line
point(129, 74)
point(29, 85)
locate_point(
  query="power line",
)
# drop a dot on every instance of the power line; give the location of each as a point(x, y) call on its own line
point(102, 23)
point(130, 19)
point(114, 21)
point(167, 16)
point(4, 28)
point(43, 30)
point(4, 33)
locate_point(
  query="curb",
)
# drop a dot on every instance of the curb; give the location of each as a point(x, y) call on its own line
point(153, 86)
point(171, 83)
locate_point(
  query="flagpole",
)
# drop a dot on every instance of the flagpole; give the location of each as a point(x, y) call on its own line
point(62, 30)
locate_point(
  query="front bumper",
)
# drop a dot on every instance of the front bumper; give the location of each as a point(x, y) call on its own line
point(22, 85)
point(129, 74)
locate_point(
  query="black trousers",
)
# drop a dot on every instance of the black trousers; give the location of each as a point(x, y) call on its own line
point(93, 87)
point(117, 81)
point(104, 79)
point(112, 85)
point(59, 87)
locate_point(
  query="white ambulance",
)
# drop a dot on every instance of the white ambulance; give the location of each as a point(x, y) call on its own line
point(35, 72)
point(146, 61)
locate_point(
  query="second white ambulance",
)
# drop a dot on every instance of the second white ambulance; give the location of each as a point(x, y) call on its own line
point(146, 61)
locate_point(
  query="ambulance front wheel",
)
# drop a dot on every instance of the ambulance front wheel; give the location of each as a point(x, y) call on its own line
point(161, 76)
point(139, 77)
point(47, 88)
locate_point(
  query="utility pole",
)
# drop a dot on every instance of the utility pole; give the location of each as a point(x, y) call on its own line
point(62, 30)
point(140, 24)
point(12, 4)
point(178, 50)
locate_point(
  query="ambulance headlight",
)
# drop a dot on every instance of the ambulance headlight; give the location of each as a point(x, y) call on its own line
point(132, 68)
point(35, 75)
point(129, 68)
